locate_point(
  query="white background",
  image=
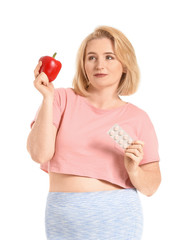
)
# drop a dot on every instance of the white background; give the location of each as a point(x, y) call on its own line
point(158, 31)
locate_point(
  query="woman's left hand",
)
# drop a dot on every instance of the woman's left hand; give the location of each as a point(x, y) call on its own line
point(133, 155)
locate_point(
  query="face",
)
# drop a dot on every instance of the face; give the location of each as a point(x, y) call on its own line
point(101, 65)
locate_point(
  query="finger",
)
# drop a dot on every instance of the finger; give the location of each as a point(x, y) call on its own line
point(139, 147)
point(44, 79)
point(36, 71)
point(132, 156)
point(138, 142)
point(136, 152)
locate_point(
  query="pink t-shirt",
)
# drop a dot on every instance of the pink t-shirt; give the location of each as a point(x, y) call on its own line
point(83, 146)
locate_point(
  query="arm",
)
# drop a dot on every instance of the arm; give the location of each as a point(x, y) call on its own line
point(41, 140)
point(145, 178)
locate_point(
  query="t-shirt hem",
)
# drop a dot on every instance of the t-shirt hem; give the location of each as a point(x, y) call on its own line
point(149, 161)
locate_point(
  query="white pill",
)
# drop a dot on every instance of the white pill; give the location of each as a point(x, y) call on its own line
point(116, 137)
point(116, 128)
point(125, 137)
point(111, 133)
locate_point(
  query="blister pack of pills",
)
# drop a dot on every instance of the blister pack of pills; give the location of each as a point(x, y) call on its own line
point(120, 136)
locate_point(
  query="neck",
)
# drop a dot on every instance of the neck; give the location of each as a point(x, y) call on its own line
point(103, 98)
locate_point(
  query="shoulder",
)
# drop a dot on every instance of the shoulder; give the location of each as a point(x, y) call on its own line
point(137, 111)
point(64, 95)
point(140, 118)
point(62, 91)
point(59, 91)
point(144, 130)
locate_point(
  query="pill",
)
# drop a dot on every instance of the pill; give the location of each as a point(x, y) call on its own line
point(120, 133)
point(111, 133)
point(116, 128)
point(116, 137)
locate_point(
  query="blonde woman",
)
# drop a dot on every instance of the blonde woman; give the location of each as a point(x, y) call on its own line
point(94, 182)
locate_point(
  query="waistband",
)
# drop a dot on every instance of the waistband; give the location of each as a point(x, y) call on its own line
point(104, 195)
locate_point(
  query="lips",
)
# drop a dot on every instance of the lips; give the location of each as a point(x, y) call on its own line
point(100, 75)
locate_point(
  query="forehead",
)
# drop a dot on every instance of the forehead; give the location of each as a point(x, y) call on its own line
point(100, 45)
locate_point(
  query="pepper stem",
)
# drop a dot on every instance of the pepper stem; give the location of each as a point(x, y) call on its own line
point(54, 55)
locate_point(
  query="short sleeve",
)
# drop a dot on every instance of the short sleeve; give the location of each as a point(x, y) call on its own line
point(147, 134)
point(59, 105)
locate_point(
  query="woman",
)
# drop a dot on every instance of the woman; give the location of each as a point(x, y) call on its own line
point(93, 181)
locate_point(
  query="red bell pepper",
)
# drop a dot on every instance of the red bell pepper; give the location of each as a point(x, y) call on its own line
point(50, 66)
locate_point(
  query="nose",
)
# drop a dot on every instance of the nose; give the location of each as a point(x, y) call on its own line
point(99, 64)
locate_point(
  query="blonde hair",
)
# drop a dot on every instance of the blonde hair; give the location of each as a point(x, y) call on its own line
point(124, 52)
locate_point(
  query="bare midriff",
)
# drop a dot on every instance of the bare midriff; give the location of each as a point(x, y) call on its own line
point(71, 183)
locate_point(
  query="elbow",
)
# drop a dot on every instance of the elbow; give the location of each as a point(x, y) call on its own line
point(41, 159)
point(39, 156)
point(30, 151)
point(153, 190)
point(45, 158)
point(150, 194)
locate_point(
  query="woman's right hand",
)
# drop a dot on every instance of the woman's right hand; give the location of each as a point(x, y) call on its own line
point(42, 83)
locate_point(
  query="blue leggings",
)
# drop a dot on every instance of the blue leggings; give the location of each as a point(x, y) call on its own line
point(101, 215)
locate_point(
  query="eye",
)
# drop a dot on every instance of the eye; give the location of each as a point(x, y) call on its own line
point(91, 57)
point(109, 57)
